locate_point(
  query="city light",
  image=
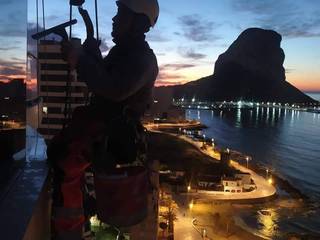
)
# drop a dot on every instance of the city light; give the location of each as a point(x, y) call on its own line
point(191, 205)
point(189, 188)
point(270, 181)
point(94, 221)
point(247, 158)
point(45, 110)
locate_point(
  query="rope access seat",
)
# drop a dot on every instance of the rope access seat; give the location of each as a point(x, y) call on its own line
point(121, 193)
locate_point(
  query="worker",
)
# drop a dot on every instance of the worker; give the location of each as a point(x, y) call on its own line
point(122, 85)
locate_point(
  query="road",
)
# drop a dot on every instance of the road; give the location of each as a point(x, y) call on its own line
point(264, 188)
point(183, 228)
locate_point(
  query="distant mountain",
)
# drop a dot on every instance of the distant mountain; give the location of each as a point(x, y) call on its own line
point(15, 88)
point(251, 69)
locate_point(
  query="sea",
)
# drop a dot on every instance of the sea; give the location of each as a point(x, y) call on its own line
point(285, 141)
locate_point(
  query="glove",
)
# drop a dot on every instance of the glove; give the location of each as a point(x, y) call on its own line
point(91, 47)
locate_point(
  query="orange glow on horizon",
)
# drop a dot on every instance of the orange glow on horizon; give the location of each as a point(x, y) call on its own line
point(9, 78)
point(305, 83)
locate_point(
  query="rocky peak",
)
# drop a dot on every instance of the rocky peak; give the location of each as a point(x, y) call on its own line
point(257, 51)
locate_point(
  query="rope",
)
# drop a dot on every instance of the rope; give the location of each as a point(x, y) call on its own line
point(47, 92)
point(43, 19)
point(38, 90)
point(67, 104)
point(70, 18)
point(96, 12)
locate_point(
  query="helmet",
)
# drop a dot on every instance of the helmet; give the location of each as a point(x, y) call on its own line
point(148, 7)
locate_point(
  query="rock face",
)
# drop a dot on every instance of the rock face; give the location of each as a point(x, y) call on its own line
point(251, 69)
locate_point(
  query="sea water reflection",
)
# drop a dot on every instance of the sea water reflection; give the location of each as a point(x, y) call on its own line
point(284, 140)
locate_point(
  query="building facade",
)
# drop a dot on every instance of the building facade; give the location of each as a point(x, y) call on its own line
point(233, 185)
point(61, 90)
point(247, 182)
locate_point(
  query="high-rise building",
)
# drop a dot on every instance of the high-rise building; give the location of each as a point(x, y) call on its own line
point(59, 89)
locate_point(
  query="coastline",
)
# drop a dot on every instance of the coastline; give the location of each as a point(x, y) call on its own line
point(282, 183)
point(293, 201)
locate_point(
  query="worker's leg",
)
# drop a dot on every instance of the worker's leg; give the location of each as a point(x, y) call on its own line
point(67, 213)
point(69, 166)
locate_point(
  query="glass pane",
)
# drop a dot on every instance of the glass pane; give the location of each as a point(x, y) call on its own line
point(12, 88)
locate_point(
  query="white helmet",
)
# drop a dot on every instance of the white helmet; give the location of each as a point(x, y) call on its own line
point(148, 7)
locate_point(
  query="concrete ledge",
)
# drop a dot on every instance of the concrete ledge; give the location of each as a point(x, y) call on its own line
point(16, 208)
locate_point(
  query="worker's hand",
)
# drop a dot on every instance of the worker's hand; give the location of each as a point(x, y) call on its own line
point(70, 53)
point(91, 47)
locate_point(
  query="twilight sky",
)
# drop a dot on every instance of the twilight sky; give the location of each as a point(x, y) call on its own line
point(13, 31)
point(190, 34)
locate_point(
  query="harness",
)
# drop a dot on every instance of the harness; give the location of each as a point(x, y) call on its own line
point(122, 175)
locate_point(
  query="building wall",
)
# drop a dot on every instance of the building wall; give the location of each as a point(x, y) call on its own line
point(205, 184)
point(246, 178)
point(232, 185)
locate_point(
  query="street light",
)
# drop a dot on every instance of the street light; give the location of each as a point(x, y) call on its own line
point(189, 188)
point(270, 181)
point(267, 170)
point(204, 233)
point(247, 158)
point(191, 205)
point(204, 140)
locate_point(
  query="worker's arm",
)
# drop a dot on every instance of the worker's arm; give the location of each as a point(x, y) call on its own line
point(123, 76)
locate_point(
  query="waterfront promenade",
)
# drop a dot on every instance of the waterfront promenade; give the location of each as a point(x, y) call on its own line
point(264, 189)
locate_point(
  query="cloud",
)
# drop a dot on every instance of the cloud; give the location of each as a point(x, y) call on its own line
point(9, 31)
point(286, 17)
point(190, 53)
point(52, 18)
point(14, 70)
point(18, 60)
point(289, 70)
point(198, 29)
point(168, 74)
point(7, 63)
point(104, 46)
point(156, 36)
point(7, 48)
point(176, 66)
point(13, 20)
point(167, 83)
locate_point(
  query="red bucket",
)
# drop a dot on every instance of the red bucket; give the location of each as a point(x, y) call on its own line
point(122, 196)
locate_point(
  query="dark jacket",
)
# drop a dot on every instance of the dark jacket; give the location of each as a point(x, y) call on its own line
point(125, 76)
